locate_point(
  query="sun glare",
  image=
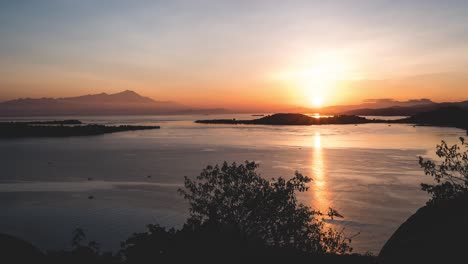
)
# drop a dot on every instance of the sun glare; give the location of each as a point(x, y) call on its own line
point(317, 101)
point(317, 78)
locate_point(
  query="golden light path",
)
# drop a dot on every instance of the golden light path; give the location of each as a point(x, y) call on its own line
point(320, 192)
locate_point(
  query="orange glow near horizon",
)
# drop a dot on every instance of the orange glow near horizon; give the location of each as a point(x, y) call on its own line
point(315, 82)
point(316, 79)
point(272, 95)
point(325, 78)
point(254, 56)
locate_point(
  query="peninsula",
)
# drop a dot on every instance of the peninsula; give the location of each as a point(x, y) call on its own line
point(450, 116)
point(65, 128)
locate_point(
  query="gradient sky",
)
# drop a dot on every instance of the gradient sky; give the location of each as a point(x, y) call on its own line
point(236, 53)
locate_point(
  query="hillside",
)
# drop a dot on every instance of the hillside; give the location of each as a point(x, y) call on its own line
point(434, 234)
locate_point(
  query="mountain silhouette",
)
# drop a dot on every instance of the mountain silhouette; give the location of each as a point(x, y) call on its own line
point(126, 96)
point(369, 105)
point(123, 103)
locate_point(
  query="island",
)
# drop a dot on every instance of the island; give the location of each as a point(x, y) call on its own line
point(443, 117)
point(296, 119)
point(63, 128)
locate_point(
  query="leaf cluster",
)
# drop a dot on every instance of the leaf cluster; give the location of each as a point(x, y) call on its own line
point(450, 173)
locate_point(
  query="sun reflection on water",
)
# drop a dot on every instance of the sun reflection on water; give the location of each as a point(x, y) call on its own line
point(320, 192)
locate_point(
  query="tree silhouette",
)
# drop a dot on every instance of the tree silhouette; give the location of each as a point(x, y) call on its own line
point(261, 210)
point(82, 252)
point(450, 174)
point(78, 236)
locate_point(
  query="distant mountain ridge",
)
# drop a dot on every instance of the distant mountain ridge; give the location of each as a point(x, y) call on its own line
point(122, 97)
point(405, 110)
point(376, 104)
point(383, 107)
point(125, 97)
point(123, 103)
point(369, 104)
point(131, 103)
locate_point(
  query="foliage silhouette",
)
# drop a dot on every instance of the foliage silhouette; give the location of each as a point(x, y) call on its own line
point(450, 174)
point(81, 252)
point(267, 211)
point(235, 212)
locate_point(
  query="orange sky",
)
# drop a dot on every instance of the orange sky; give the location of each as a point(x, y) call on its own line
point(259, 94)
point(251, 54)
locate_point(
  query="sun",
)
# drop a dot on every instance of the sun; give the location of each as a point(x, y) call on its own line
point(317, 79)
point(317, 101)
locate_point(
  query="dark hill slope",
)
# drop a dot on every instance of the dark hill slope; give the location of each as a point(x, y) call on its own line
point(15, 250)
point(434, 234)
